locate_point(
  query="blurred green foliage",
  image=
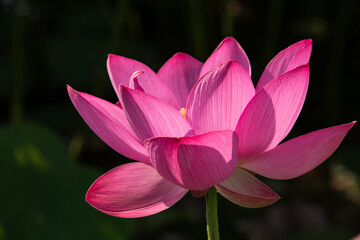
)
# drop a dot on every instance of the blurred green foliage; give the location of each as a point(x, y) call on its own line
point(48, 155)
point(42, 190)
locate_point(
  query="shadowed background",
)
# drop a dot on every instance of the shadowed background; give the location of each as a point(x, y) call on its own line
point(49, 157)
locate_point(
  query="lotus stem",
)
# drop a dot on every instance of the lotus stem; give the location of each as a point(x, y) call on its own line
point(212, 225)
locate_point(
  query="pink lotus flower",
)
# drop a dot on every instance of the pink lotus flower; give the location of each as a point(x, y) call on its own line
point(192, 126)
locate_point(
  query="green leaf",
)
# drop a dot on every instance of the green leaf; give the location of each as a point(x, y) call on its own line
point(42, 192)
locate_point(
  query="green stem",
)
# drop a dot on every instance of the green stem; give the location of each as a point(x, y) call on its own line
point(212, 225)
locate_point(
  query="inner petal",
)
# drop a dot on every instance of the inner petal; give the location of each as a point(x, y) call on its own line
point(134, 81)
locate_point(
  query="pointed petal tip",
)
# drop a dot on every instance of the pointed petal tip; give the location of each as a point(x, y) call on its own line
point(302, 43)
point(110, 57)
point(289, 58)
point(302, 68)
point(306, 65)
point(228, 64)
point(228, 49)
point(180, 55)
point(72, 92)
point(350, 125)
point(122, 88)
point(69, 88)
point(306, 41)
point(229, 39)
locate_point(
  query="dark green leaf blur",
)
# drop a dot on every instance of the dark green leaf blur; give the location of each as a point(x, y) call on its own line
point(49, 157)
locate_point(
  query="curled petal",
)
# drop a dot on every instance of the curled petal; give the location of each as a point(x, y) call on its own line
point(180, 73)
point(150, 117)
point(133, 190)
point(228, 50)
point(219, 97)
point(108, 121)
point(121, 69)
point(196, 162)
point(299, 155)
point(134, 82)
point(244, 189)
point(292, 57)
point(272, 112)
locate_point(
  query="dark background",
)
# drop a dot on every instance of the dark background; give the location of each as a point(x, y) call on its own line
point(49, 157)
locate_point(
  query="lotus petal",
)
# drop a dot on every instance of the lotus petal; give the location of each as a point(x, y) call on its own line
point(133, 190)
point(299, 155)
point(244, 189)
point(121, 69)
point(218, 98)
point(149, 117)
point(196, 162)
point(292, 57)
point(272, 112)
point(180, 73)
point(108, 121)
point(228, 50)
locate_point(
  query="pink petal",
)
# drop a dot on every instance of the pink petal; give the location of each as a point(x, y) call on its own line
point(150, 117)
point(196, 162)
point(108, 121)
point(272, 112)
point(244, 189)
point(133, 190)
point(299, 155)
point(134, 82)
point(180, 73)
point(121, 69)
point(218, 99)
point(228, 50)
point(292, 57)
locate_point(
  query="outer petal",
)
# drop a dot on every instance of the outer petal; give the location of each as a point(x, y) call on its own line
point(218, 99)
point(196, 162)
point(228, 50)
point(133, 190)
point(292, 57)
point(108, 121)
point(271, 114)
point(120, 70)
point(299, 155)
point(180, 73)
point(150, 117)
point(244, 189)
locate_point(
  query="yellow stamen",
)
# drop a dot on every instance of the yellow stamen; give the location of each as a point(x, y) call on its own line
point(183, 112)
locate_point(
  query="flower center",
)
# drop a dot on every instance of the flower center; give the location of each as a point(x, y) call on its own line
point(183, 112)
